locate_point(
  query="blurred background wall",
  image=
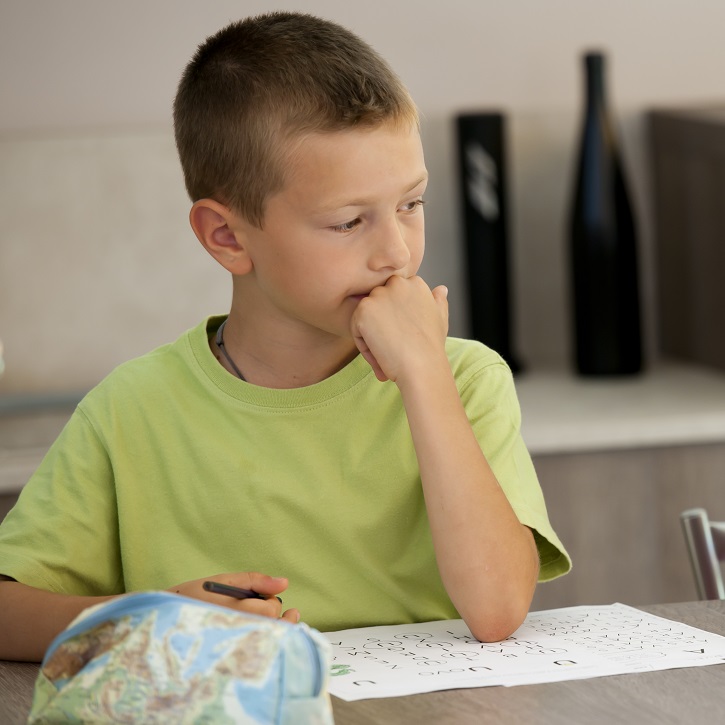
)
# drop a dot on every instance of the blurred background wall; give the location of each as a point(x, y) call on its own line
point(97, 262)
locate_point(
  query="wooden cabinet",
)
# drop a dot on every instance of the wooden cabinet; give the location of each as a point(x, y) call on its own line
point(617, 512)
point(618, 461)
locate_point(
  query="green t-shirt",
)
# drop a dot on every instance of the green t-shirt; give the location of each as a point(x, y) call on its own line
point(172, 469)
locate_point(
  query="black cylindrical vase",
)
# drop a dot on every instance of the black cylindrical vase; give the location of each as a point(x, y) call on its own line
point(603, 244)
point(484, 206)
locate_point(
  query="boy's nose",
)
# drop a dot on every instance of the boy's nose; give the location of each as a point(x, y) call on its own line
point(390, 250)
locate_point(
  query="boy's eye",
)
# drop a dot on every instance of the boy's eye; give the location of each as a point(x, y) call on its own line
point(411, 205)
point(346, 226)
point(407, 208)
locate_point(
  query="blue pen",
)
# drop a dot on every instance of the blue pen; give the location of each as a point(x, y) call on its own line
point(236, 592)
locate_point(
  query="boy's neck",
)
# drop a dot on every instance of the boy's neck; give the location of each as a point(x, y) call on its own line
point(279, 358)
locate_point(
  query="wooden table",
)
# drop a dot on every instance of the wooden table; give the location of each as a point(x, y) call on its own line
point(691, 695)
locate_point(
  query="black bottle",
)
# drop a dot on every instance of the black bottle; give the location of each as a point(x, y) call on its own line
point(482, 172)
point(603, 245)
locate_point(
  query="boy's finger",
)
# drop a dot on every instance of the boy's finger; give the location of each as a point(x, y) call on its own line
point(271, 608)
point(261, 583)
point(366, 352)
point(291, 615)
point(441, 293)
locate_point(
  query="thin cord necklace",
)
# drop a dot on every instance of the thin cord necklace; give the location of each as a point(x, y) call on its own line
point(220, 344)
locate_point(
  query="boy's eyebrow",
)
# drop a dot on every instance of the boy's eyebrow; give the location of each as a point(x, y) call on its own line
point(364, 202)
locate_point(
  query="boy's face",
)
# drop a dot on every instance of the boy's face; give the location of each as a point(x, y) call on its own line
point(348, 218)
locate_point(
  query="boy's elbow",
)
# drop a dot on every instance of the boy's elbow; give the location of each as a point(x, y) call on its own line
point(492, 630)
point(496, 624)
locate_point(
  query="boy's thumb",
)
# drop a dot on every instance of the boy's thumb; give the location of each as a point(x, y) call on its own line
point(440, 293)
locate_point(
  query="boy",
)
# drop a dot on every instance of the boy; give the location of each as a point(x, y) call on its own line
point(327, 429)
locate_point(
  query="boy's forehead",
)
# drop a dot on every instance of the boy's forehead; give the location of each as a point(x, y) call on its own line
point(340, 201)
point(349, 167)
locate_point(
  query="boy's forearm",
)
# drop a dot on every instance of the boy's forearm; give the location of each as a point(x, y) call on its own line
point(487, 560)
point(30, 618)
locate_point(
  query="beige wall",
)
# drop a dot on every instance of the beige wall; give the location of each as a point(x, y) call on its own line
point(96, 260)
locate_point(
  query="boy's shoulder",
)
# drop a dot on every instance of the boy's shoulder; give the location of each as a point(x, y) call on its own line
point(152, 373)
point(479, 371)
point(472, 356)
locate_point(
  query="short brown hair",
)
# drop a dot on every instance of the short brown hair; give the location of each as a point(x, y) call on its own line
point(262, 81)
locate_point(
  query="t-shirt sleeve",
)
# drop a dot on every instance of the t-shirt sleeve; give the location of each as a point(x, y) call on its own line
point(62, 535)
point(490, 400)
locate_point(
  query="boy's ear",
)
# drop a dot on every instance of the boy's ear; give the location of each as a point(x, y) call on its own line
point(218, 229)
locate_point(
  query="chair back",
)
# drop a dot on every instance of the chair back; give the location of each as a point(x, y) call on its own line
point(705, 542)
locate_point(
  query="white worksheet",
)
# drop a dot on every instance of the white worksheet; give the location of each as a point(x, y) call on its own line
point(558, 644)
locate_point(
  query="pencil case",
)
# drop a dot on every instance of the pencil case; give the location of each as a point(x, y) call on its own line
point(157, 657)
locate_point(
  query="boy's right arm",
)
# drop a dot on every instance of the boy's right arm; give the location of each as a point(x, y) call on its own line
point(31, 618)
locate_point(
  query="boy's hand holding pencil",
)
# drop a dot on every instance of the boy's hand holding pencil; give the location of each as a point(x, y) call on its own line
point(245, 591)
